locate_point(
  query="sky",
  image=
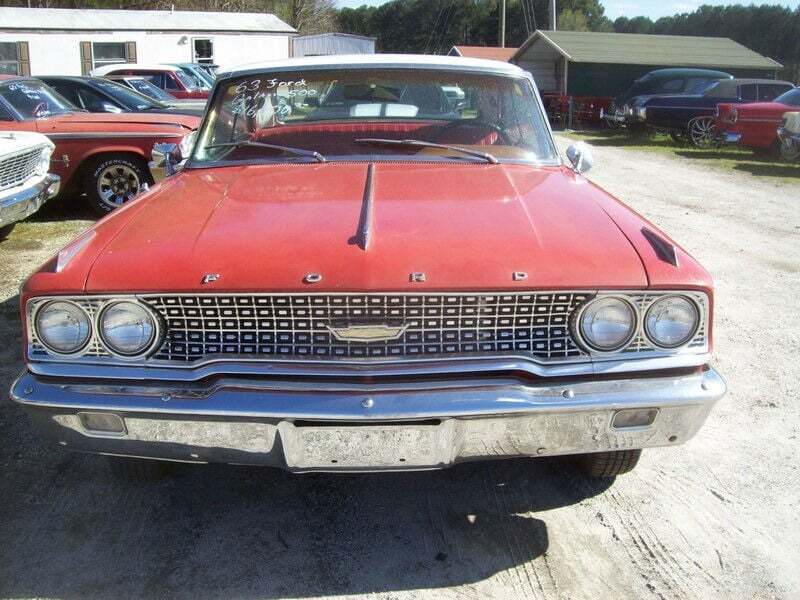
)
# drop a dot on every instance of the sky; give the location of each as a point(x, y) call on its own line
point(630, 8)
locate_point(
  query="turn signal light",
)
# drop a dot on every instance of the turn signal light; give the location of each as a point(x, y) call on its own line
point(102, 423)
point(634, 417)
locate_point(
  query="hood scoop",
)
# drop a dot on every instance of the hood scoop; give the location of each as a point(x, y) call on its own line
point(664, 250)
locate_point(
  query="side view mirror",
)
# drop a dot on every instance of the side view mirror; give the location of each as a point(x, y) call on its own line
point(580, 155)
point(166, 156)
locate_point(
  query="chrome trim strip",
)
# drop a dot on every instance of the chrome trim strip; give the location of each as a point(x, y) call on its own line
point(364, 235)
point(468, 365)
point(109, 134)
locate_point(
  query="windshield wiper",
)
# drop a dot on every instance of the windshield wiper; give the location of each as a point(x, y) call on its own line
point(421, 144)
point(287, 149)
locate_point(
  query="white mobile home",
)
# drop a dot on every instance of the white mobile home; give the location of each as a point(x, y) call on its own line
point(326, 44)
point(56, 41)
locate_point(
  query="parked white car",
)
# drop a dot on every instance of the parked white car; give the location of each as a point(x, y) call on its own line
point(789, 131)
point(25, 183)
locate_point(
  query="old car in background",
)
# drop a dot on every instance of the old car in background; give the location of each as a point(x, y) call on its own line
point(661, 81)
point(789, 132)
point(170, 79)
point(102, 155)
point(202, 77)
point(756, 125)
point(403, 287)
point(691, 116)
point(25, 181)
point(98, 94)
point(146, 88)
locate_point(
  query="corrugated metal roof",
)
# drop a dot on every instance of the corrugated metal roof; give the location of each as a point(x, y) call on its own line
point(487, 52)
point(646, 49)
point(138, 20)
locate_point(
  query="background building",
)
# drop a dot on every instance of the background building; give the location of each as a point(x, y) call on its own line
point(52, 41)
point(325, 44)
point(487, 52)
point(582, 63)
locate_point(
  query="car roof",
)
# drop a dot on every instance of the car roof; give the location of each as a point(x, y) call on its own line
point(685, 72)
point(134, 67)
point(373, 61)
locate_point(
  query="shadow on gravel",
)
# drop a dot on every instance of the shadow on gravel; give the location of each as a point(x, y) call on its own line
point(770, 170)
point(70, 529)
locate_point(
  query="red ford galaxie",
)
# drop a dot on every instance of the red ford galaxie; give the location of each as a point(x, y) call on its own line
point(101, 155)
point(756, 125)
point(354, 272)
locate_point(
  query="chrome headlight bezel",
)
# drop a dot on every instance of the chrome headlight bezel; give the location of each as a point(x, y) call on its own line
point(593, 348)
point(692, 332)
point(152, 343)
point(35, 323)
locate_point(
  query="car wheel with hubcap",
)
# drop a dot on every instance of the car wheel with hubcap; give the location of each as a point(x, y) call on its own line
point(113, 180)
point(703, 132)
point(788, 151)
point(608, 464)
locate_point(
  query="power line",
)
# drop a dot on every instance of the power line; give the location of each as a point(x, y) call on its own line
point(435, 25)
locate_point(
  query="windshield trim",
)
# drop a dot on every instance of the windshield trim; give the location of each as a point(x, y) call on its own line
point(517, 74)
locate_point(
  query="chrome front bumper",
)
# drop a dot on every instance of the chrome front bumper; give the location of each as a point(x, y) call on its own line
point(22, 204)
point(312, 426)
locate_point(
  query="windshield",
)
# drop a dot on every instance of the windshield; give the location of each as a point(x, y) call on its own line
point(189, 81)
point(127, 96)
point(149, 89)
point(196, 75)
point(350, 115)
point(791, 98)
point(35, 100)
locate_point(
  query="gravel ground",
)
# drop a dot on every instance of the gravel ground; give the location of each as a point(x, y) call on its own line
point(715, 518)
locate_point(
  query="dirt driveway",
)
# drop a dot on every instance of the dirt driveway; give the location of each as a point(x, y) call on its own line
point(716, 518)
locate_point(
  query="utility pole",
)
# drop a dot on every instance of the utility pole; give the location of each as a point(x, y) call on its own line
point(502, 35)
point(552, 15)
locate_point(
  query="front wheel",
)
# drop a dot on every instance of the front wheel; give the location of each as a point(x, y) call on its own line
point(112, 180)
point(703, 132)
point(787, 150)
point(608, 464)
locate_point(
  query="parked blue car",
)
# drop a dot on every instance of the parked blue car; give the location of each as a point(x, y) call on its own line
point(661, 81)
point(691, 117)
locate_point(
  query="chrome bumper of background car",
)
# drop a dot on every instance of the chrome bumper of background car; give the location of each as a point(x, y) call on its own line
point(731, 138)
point(20, 205)
point(312, 425)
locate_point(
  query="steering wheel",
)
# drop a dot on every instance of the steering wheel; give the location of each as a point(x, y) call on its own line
point(475, 124)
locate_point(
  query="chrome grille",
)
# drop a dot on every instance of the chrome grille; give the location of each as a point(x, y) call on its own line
point(15, 170)
point(295, 326)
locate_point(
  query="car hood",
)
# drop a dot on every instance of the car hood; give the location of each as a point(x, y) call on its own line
point(466, 227)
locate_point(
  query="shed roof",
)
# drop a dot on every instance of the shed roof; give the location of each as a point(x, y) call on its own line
point(487, 52)
point(648, 49)
point(67, 19)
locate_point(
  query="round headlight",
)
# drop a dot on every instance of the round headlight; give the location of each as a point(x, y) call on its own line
point(62, 327)
point(607, 324)
point(127, 328)
point(671, 321)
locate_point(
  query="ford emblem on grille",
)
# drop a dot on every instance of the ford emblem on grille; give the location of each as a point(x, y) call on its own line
point(367, 333)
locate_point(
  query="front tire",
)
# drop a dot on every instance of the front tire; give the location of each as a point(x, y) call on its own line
point(787, 151)
point(114, 179)
point(608, 464)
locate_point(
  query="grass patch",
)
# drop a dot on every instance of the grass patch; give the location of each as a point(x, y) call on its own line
point(729, 158)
